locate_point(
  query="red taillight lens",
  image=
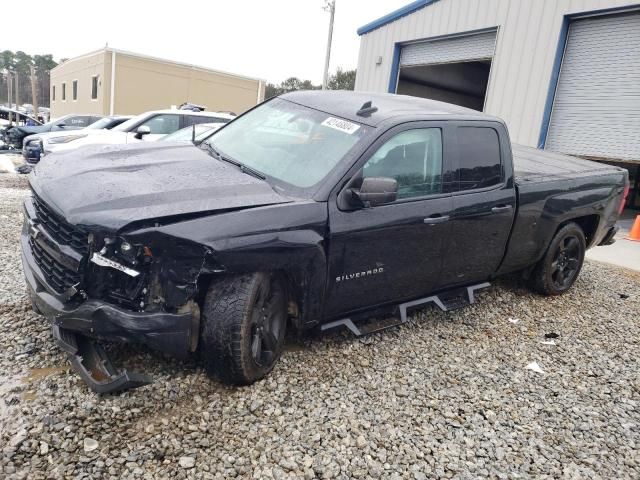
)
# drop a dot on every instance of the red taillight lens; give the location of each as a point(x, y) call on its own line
point(625, 194)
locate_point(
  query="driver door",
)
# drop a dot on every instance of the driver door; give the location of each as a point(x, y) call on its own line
point(392, 252)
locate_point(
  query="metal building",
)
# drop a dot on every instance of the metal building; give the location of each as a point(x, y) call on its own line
point(563, 74)
point(111, 81)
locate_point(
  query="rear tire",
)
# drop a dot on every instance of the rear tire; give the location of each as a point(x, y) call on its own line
point(243, 327)
point(558, 270)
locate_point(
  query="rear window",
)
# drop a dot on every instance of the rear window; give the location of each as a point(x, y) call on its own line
point(479, 163)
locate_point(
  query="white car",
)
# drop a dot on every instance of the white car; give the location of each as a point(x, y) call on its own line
point(193, 134)
point(148, 127)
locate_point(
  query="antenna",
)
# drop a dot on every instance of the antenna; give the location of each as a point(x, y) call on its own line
point(366, 109)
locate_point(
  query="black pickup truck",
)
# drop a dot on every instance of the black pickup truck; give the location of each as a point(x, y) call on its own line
point(312, 210)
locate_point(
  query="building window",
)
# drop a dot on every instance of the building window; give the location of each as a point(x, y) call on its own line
point(53, 93)
point(75, 89)
point(64, 92)
point(94, 87)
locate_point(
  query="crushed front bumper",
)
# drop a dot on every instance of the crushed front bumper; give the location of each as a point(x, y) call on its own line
point(74, 323)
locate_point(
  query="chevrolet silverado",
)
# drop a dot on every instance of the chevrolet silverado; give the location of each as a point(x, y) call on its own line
point(309, 211)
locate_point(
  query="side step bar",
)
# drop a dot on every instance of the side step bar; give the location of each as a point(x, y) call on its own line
point(91, 362)
point(446, 301)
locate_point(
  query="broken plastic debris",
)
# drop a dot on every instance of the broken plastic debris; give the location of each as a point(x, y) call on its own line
point(548, 342)
point(623, 296)
point(514, 320)
point(551, 335)
point(535, 367)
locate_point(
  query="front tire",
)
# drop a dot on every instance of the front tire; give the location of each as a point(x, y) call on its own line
point(243, 327)
point(559, 268)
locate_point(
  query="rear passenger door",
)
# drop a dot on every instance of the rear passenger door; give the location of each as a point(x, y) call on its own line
point(483, 203)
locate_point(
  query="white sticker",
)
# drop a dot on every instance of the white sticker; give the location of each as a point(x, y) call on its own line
point(342, 125)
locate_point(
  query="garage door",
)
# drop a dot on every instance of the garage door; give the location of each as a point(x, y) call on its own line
point(457, 49)
point(596, 111)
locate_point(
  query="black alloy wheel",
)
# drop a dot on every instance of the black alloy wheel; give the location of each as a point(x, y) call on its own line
point(566, 262)
point(267, 323)
point(558, 270)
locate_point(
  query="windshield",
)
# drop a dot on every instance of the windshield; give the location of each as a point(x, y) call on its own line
point(288, 142)
point(126, 126)
point(184, 135)
point(102, 123)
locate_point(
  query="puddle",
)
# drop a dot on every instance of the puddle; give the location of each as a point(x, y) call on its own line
point(36, 374)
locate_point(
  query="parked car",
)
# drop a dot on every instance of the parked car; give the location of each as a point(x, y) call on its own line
point(149, 127)
point(307, 212)
point(33, 145)
point(17, 134)
point(17, 119)
point(193, 134)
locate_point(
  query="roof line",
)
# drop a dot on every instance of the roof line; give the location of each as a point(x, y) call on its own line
point(395, 15)
point(163, 60)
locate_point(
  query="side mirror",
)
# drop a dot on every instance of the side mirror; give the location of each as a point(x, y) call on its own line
point(376, 191)
point(142, 131)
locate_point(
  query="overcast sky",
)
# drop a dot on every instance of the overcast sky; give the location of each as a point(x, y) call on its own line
point(271, 40)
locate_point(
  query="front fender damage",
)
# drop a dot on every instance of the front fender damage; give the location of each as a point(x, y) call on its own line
point(168, 286)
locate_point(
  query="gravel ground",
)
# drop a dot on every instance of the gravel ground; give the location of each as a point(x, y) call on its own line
point(447, 395)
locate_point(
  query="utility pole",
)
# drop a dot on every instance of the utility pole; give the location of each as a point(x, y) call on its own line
point(330, 5)
point(9, 96)
point(16, 92)
point(34, 91)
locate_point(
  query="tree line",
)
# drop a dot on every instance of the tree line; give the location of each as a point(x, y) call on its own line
point(341, 80)
point(17, 72)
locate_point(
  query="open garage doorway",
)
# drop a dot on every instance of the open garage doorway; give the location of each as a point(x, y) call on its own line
point(461, 83)
point(453, 69)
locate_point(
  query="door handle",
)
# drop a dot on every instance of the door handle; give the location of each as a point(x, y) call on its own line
point(436, 219)
point(501, 208)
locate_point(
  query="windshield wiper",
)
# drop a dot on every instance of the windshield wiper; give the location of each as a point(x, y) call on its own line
point(243, 168)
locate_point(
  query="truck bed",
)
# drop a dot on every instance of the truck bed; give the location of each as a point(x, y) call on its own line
point(534, 165)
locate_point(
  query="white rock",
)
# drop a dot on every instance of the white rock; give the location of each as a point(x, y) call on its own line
point(90, 444)
point(187, 462)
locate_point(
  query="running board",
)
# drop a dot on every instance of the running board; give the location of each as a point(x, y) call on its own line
point(446, 301)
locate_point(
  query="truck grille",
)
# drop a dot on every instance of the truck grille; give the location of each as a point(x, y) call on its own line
point(57, 275)
point(59, 229)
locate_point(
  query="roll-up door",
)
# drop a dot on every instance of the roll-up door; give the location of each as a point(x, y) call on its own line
point(596, 109)
point(457, 49)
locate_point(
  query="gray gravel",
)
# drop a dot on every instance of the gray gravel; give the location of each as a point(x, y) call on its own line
point(447, 395)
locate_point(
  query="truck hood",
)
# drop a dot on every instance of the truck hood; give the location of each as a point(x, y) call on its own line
point(111, 186)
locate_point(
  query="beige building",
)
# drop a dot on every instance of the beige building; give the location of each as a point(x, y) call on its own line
point(110, 81)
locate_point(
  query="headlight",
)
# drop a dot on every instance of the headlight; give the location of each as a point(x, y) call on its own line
point(66, 139)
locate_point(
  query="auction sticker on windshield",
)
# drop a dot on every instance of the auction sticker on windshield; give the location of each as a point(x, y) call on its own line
point(342, 125)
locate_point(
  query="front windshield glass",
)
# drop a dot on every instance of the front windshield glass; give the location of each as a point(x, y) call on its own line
point(126, 126)
point(184, 135)
point(288, 142)
point(100, 124)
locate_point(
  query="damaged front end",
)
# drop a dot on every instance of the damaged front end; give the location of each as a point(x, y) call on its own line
point(98, 285)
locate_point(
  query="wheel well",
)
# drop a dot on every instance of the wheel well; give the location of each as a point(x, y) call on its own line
point(588, 224)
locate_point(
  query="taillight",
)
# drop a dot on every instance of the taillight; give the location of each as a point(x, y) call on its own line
point(625, 194)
